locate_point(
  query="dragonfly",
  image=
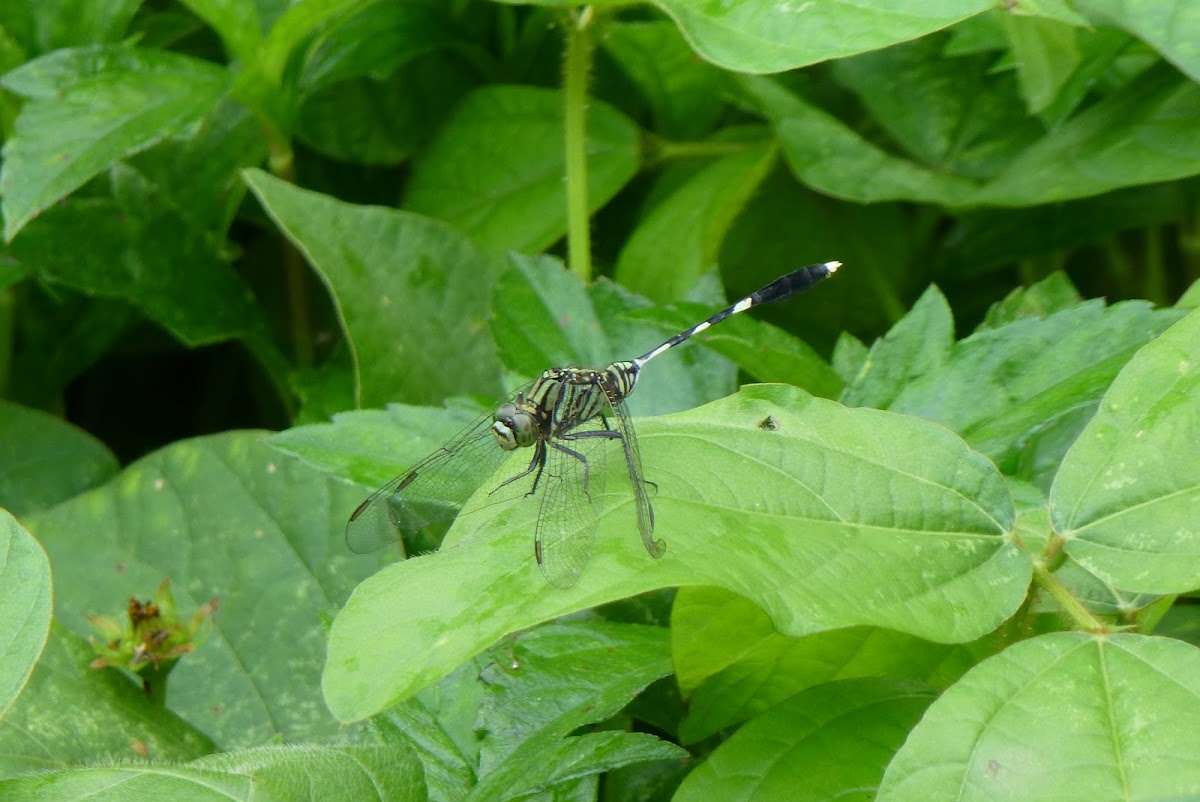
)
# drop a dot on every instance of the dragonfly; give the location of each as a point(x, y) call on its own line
point(563, 416)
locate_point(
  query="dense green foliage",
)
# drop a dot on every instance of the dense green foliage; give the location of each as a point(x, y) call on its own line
point(261, 256)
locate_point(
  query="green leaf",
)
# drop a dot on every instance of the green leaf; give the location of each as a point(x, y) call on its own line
point(43, 27)
point(221, 516)
point(235, 21)
point(681, 236)
point(553, 681)
point(761, 36)
point(543, 317)
point(1170, 27)
point(355, 771)
point(1000, 387)
point(267, 773)
point(448, 774)
point(954, 115)
point(111, 716)
point(829, 742)
point(832, 158)
point(1046, 54)
point(682, 92)
point(571, 759)
point(1053, 294)
point(566, 676)
point(1061, 716)
point(412, 294)
point(495, 172)
point(1144, 132)
point(143, 252)
point(382, 122)
point(734, 665)
point(377, 39)
point(1126, 495)
point(919, 343)
point(24, 608)
point(95, 120)
point(777, 516)
point(46, 460)
point(118, 784)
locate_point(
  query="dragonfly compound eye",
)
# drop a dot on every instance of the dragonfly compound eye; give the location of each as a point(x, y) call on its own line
point(513, 427)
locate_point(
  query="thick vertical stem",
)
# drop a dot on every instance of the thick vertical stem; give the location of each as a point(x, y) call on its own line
point(577, 67)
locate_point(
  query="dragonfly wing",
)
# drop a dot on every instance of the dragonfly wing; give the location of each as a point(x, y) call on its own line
point(633, 461)
point(566, 527)
point(431, 492)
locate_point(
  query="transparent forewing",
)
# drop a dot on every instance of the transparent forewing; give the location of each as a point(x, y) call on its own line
point(566, 527)
point(431, 492)
point(633, 461)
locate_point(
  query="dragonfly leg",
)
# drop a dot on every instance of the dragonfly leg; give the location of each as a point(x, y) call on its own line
point(578, 456)
point(536, 464)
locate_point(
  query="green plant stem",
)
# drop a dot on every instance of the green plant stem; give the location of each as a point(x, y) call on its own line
point(577, 66)
point(296, 276)
point(1083, 617)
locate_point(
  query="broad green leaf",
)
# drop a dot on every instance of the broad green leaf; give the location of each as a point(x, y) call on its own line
point(1143, 133)
point(199, 174)
point(235, 21)
point(735, 666)
point(571, 759)
point(1126, 496)
point(267, 773)
point(829, 742)
point(412, 294)
point(289, 33)
point(45, 460)
point(24, 608)
point(1001, 387)
point(356, 771)
point(495, 172)
point(566, 676)
point(122, 783)
point(1046, 54)
point(761, 36)
point(683, 93)
point(920, 343)
point(1059, 10)
point(449, 775)
point(221, 516)
point(952, 115)
point(97, 120)
point(365, 120)
point(111, 716)
point(44, 27)
point(553, 681)
point(1053, 294)
point(377, 39)
point(141, 250)
point(1059, 718)
point(849, 356)
point(1172, 27)
point(799, 519)
point(543, 317)
point(680, 237)
point(832, 158)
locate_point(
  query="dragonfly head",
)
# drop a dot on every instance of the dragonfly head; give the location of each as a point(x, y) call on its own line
point(513, 427)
